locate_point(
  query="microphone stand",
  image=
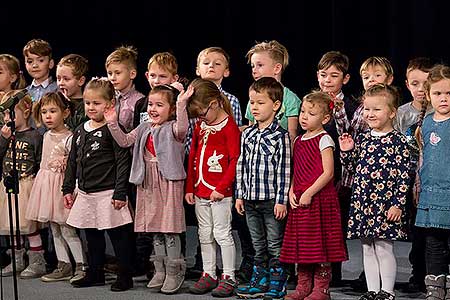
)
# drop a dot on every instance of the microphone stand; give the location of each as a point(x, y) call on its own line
point(11, 183)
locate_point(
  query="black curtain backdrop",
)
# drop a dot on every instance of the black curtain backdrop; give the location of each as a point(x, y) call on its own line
point(399, 30)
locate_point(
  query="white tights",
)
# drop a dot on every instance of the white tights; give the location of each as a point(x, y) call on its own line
point(379, 261)
point(64, 237)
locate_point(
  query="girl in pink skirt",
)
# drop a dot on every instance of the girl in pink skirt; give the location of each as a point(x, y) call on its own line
point(100, 169)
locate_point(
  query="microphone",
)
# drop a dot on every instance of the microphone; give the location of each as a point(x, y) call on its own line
point(13, 100)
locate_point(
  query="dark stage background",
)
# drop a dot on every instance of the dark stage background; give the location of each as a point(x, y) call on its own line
point(398, 30)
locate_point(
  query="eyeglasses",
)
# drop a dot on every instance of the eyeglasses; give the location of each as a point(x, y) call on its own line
point(202, 115)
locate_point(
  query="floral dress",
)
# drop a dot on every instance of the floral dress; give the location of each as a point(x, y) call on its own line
point(381, 165)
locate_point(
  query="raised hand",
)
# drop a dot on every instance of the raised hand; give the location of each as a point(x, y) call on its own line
point(110, 114)
point(186, 94)
point(346, 142)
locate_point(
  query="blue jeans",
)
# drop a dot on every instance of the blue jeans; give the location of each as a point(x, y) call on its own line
point(266, 232)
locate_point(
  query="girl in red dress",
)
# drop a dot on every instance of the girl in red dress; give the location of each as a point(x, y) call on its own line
point(313, 237)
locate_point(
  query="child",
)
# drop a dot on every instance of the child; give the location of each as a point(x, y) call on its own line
point(39, 62)
point(433, 208)
point(162, 69)
point(332, 75)
point(262, 187)
point(28, 157)
point(271, 59)
point(71, 73)
point(11, 77)
point(380, 161)
point(121, 69)
point(100, 169)
point(313, 238)
point(211, 172)
point(408, 117)
point(46, 199)
point(158, 172)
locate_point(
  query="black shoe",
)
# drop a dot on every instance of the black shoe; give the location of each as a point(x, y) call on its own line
point(368, 296)
point(122, 283)
point(92, 278)
point(383, 295)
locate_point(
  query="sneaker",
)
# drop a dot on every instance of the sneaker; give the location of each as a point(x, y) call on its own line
point(278, 281)
point(61, 273)
point(225, 288)
point(80, 272)
point(258, 286)
point(204, 285)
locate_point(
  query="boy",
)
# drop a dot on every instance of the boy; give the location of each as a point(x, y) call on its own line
point(375, 69)
point(71, 73)
point(121, 69)
point(407, 117)
point(270, 59)
point(162, 69)
point(332, 75)
point(39, 63)
point(262, 186)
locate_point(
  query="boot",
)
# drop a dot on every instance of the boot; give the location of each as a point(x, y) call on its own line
point(322, 278)
point(93, 277)
point(278, 281)
point(258, 286)
point(435, 287)
point(447, 287)
point(20, 263)
point(160, 272)
point(61, 273)
point(124, 280)
point(175, 270)
point(36, 267)
point(305, 273)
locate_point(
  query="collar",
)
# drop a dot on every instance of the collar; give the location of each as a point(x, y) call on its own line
point(44, 84)
point(126, 94)
point(272, 127)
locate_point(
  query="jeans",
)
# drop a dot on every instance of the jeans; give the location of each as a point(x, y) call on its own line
point(265, 230)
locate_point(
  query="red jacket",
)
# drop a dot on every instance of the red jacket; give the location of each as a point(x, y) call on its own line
point(213, 157)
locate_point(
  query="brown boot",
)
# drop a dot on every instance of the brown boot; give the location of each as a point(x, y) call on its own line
point(160, 272)
point(305, 273)
point(322, 278)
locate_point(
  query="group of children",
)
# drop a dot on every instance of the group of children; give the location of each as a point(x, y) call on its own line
point(99, 156)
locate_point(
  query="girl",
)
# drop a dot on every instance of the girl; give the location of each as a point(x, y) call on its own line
point(71, 73)
point(211, 172)
point(46, 200)
point(158, 172)
point(313, 236)
point(28, 157)
point(433, 210)
point(380, 160)
point(100, 169)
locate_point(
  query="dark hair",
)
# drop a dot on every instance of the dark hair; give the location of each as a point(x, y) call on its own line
point(423, 64)
point(170, 93)
point(270, 86)
point(334, 58)
point(56, 98)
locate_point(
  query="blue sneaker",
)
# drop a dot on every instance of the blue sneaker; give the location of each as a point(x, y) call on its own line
point(278, 281)
point(258, 286)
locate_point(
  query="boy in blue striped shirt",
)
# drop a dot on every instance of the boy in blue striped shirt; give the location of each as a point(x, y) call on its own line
point(262, 186)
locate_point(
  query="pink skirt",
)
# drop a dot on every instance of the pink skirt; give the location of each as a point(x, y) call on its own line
point(95, 210)
point(26, 226)
point(46, 200)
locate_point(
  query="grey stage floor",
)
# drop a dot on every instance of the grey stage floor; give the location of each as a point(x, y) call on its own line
point(36, 290)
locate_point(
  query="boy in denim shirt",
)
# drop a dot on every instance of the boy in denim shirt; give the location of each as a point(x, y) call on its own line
point(262, 186)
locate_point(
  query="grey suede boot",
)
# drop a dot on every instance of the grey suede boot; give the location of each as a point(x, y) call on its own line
point(20, 263)
point(435, 287)
point(36, 267)
point(447, 287)
point(160, 272)
point(175, 270)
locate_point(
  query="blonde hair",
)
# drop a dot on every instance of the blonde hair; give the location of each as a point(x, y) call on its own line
point(77, 63)
point(390, 92)
point(125, 55)
point(164, 60)
point(38, 47)
point(13, 65)
point(277, 52)
point(213, 50)
point(373, 61)
point(103, 86)
point(320, 98)
point(205, 92)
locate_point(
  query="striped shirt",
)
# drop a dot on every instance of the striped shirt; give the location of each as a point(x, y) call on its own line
point(263, 169)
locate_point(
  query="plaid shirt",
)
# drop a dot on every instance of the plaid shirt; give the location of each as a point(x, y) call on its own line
point(237, 115)
point(263, 168)
point(355, 127)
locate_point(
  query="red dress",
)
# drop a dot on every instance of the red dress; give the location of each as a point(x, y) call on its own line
point(313, 234)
